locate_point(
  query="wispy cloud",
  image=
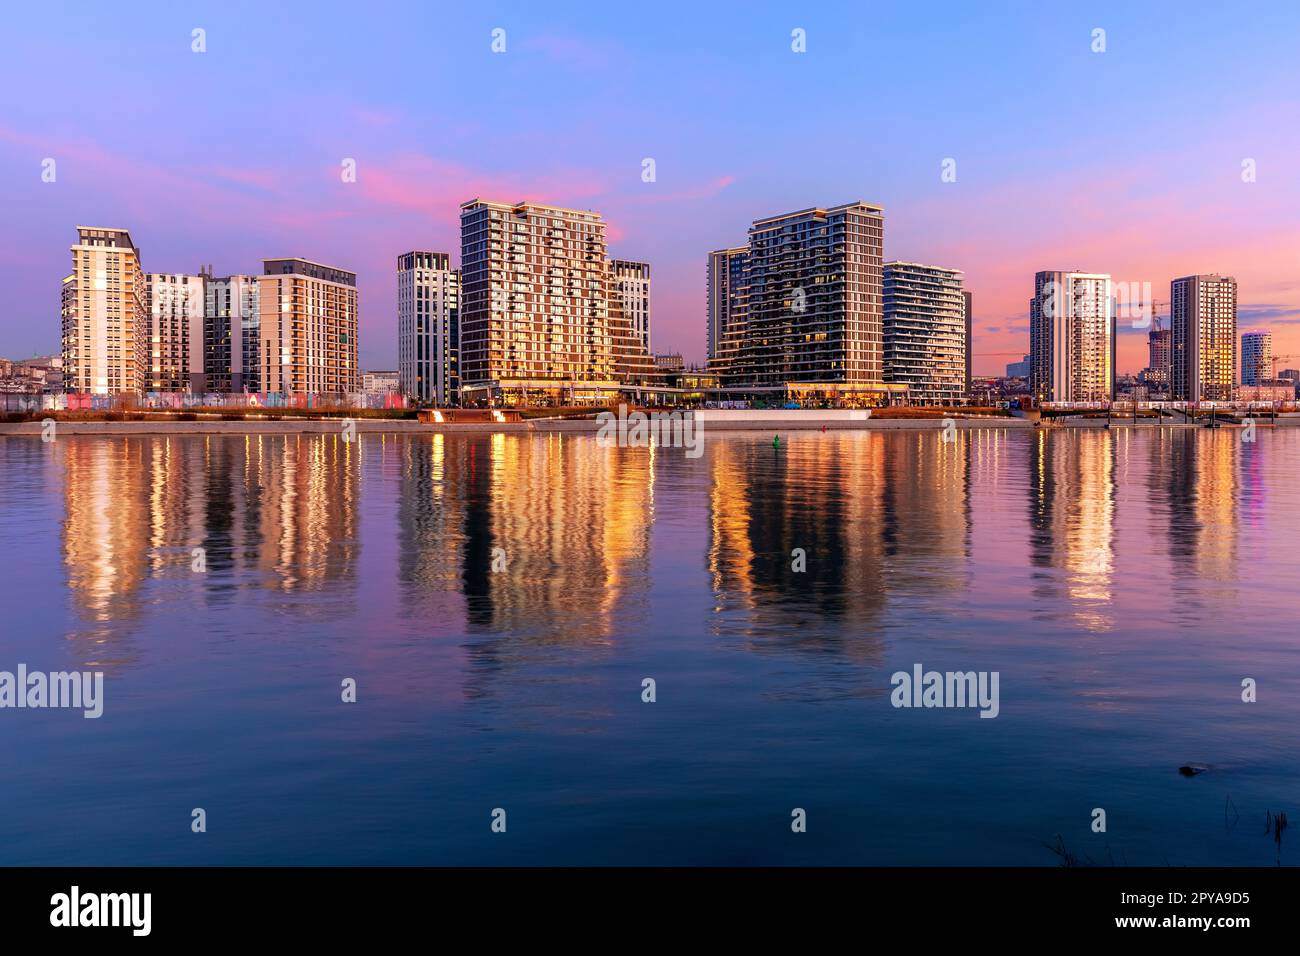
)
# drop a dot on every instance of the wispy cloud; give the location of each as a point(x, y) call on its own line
point(652, 195)
point(1272, 313)
point(415, 182)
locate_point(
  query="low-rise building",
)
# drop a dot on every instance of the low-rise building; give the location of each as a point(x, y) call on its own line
point(1271, 390)
point(381, 383)
point(41, 375)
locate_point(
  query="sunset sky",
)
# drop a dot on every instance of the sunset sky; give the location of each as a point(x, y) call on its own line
point(1127, 161)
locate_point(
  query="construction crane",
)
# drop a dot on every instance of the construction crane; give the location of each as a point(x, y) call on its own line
point(1155, 314)
point(1280, 358)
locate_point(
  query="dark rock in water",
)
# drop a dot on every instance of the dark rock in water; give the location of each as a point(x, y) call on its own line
point(1192, 769)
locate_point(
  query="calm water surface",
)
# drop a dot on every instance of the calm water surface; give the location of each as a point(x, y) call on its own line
point(1122, 584)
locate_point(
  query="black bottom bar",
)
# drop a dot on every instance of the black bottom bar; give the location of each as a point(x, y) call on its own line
point(331, 906)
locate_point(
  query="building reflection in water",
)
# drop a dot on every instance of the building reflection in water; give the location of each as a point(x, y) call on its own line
point(1218, 457)
point(883, 519)
point(106, 530)
point(877, 516)
point(1171, 476)
point(927, 519)
point(1072, 524)
point(432, 506)
point(277, 512)
point(565, 523)
point(1192, 474)
point(308, 520)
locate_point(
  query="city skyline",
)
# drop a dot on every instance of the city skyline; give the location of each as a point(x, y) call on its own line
point(801, 304)
point(1021, 201)
point(1130, 310)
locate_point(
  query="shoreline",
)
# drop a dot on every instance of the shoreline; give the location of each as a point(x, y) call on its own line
point(34, 429)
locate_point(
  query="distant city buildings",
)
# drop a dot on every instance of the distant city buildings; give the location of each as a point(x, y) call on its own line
point(1131, 388)
point(41, 375)
point(105, 341)
point(1258, 383)
point(1156, 375)
point(1072, 337)
point(381, 383)
point(1203, 341)
point(670, 362)
point(992, 391)
point(924, 340)
point(1019, 369)
point(428, 327)
point(1270, 391)
point(308, 327)
point(1256, 357)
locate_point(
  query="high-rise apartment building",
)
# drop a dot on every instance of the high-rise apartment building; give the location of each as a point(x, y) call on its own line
point(1072, 337)
point(970, 341)
point(1203, 341)
point(175, 303)
point(105, 322)
point(812, 299)
point(535, 324)
point(1256, 357)
point(67, 319)
point(1157, 370)
point(634, 366)
point(924, 340)
point(428, 327)
point(630, 282)
point(307, 328)
point(232, 333)
point(725, 307)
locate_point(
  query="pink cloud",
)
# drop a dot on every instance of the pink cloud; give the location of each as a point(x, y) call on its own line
point(707, 190)
point(421, 184)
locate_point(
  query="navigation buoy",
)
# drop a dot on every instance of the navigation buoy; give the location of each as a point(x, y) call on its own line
point(776, 442)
